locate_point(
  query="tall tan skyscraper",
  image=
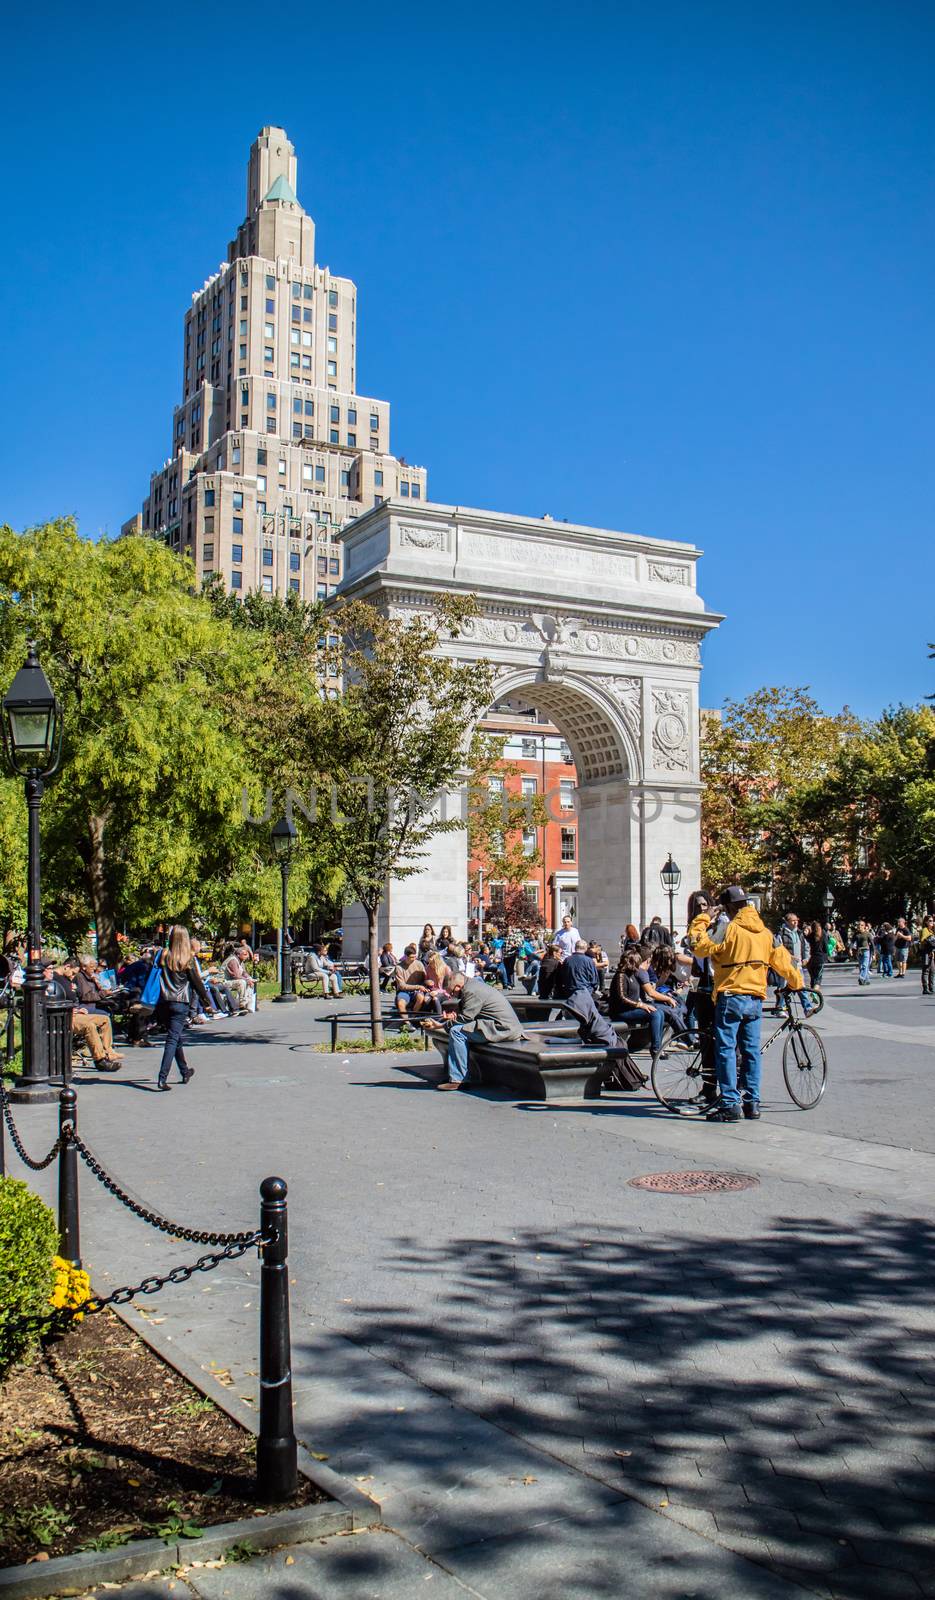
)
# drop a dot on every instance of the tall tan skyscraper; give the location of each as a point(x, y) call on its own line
point(273, 449)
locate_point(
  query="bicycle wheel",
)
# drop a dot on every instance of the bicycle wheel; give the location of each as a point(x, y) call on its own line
point(676, 1078)
point(804, 1066)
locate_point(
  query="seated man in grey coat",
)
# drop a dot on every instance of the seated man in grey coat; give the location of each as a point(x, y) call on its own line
point(485, 1015)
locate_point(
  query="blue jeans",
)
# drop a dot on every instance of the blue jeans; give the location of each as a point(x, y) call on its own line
point(886, 965)
point(175, 1014)
point(458, 1041)
point(737, 1019)
point(656, 1020)
point(864, 970)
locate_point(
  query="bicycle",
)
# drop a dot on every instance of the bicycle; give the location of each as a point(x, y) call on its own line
point(679, 1082)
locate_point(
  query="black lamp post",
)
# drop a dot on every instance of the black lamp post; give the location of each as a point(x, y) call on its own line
point(670, 877)
point(32, 743)
point(827, 901)
point(285, 838)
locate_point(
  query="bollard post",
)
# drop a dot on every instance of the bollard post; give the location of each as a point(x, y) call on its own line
point(69, 1242)
point(276, 1468)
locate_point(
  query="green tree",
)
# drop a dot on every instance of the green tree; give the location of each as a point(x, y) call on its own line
point(497, 815)
point(146, 805)
point(767, 751)
point(389, 745)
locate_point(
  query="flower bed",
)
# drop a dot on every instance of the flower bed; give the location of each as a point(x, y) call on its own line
point(102, 1443)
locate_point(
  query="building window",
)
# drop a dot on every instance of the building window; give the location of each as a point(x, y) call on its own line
point(297, 430)
point(271, 424)
point(308, 314)
point(332, 347)
point(351, 417)
point(374, 424)
point(209, 497)
point(307, 471)
point(270, 307)
point(238, 502)
point(243, 352)
point(209, 524)
point(531, 891)
point(236, 580)
point(319, 474)
point(332, 297)
point(236, 524)
point(271, 402)
point(307, 291)
point(332, 322)
point(261, 459)
point(270, 284)
point(529, 786)
point(306, 340)
point(235, 455)
point(332, 369)
point(261, 508)
point(566, 789)
point(309, 408)
point(568, 844)
point(243, 280)
point(333, 436)
point(323, 566)
point(296, 291)
point(267, 583)
point(306, 363)
point(378, 478)
point(207, 553)
point(352, 440)
point(282, 466)
point(404, 490)
point(417, 491)
point(237, 552)
point(528, 749)
point(345, 478)
point(529, 841)
point(334, 566)
point(294, 562)
point(243, 326)
point(322, 591)
point(261, 483)
point(294, 585)
point(335, 413)
point(267, 558)
point(268, 355)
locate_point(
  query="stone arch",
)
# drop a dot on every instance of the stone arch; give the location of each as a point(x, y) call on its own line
point(601, 728)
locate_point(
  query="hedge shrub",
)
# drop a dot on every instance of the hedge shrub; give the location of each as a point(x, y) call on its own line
point(28, 1244)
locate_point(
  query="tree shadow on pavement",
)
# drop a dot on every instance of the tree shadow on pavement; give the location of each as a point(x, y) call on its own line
point(775, 1392)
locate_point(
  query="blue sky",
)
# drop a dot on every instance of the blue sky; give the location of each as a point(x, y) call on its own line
point(664, 268)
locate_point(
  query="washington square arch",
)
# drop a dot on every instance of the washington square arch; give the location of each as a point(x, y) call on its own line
point(599, 630)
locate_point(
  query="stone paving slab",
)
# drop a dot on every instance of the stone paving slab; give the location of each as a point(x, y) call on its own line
point(376, 1565)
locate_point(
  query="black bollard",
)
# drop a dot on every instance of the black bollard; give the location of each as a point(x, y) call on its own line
point(69, 1244)
point(276, 1469)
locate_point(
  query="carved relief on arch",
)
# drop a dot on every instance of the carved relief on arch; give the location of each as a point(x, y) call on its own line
point(671, 723)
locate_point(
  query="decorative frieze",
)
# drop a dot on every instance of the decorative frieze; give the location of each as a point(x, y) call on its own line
point(671, 741)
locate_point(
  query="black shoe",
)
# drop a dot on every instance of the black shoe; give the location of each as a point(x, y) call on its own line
point(751, 1110)
point(187, 1074)
point(723, 1114)
point(108, 1065)
point(162, 1088)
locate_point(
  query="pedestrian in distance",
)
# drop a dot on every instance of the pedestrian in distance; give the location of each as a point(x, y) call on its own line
point(927, 954)
point(741, 961)
point(815, 965)
point(886, 949)
point(863, 950)
point(178, 976)
point(902, 940)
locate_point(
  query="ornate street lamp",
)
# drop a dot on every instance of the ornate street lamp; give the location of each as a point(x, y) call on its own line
point(827, 901)
point(32, 743)
point(285, 841)
point(670, 877)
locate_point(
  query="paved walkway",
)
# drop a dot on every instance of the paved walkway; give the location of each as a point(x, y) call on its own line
point(555, 1384)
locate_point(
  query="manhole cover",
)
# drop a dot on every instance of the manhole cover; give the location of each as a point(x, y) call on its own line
point(694, 1182)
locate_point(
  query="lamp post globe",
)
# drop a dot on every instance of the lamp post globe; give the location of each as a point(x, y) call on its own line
point(670, 877)
point(285, 840)
point(32, 742)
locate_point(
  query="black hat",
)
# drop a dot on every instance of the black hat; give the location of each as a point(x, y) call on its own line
point(734, 896)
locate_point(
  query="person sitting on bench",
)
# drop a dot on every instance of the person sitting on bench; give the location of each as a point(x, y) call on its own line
point(319, 968)
point(486, 1012)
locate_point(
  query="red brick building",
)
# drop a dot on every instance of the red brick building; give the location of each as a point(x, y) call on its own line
point(536, 762)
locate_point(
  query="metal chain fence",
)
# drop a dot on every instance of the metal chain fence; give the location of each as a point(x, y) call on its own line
point(35, 1166)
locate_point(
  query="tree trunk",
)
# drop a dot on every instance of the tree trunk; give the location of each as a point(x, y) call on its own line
point(376, 1025)
point(105, 917)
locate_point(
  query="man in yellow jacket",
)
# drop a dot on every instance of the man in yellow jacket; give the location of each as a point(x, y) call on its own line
point(741, 957)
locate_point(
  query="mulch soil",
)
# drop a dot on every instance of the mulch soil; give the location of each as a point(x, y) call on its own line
point(102, 1443)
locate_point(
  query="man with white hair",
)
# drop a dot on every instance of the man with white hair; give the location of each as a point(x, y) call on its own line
point(486, 1012)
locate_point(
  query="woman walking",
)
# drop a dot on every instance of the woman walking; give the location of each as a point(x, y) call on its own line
point(178, 976)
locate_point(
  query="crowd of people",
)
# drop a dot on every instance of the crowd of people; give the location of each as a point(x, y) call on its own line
point(706, 989)
point(150, 999)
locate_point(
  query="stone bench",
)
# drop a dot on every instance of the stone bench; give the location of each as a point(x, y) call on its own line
point(536, 1068)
